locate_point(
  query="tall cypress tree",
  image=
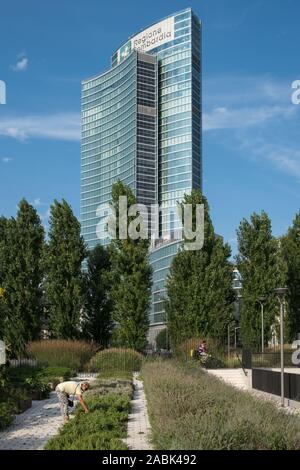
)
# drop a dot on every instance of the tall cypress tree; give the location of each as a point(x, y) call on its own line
point(63, 259)
point(3, 311)
point(290, 244)
point(97, 318)
point(131, 280)
point(21, 276)
point(199, 288)
point(261, 268)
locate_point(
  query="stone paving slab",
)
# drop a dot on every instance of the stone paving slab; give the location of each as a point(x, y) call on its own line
point(33, 428)
point(138, 429)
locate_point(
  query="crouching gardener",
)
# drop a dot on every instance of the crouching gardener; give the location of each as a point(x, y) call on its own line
point(64, 390)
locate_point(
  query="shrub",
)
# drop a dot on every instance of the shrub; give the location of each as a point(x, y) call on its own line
point(191, 410)
point(116, 359)
point(7, 410)
point(101, 429)
point(56, 373)
point(162, 340)
point(62, 353)
point(38, 386)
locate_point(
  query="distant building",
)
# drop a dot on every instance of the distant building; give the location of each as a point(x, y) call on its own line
point(142, 123)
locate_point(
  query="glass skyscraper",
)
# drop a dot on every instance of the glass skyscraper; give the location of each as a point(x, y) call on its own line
point(141, 123)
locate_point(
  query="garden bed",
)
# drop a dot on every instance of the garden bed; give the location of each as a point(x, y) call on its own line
point(191, 410)
point(105, 427)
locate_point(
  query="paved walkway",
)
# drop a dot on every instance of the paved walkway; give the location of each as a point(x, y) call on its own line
point(138, 431)
point(33, 428)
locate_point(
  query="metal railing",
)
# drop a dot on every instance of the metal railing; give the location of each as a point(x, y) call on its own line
point(241, 363)
point(271, 360)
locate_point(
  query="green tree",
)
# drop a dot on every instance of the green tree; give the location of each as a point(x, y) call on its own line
point(199, 287)
point(290, 244)
point(3, 312)
point(262, 270)
point(97, 318)
point(21, 276)
point(64, 283)
point(131, 279)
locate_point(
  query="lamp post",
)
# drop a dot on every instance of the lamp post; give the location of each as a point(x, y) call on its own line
point(281, 292)
point(261, 301)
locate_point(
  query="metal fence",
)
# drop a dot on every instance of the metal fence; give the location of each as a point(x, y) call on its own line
point(272, 360)
point(22, 362)
point(269, 381)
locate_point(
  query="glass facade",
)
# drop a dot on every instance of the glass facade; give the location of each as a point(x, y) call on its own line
point(158, 153)
point(119, 139)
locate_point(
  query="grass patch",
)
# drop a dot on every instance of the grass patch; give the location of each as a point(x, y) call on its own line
point(62, 353)
point(190, 410)
point(106, 424)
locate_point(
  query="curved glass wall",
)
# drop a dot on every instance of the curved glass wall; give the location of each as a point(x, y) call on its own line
point(160, 259)
point(108, 141)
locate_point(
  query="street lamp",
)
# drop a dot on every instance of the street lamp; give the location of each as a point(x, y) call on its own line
point(261, 301)
point(281, 292)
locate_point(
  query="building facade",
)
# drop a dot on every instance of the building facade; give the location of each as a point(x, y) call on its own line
point(141, 123)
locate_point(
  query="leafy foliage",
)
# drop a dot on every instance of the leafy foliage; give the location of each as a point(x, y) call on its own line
point(21, 274)
point(199, 287)
point(162, 339)
point(262, 270)
point(131, 280)
point(290, 244)
point(97, 317)
point(7, 411)
point(63, 258)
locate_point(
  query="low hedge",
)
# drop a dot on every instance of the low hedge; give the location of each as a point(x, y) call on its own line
point(37, 381)
point(116, 360)
point(101, 429)
point(191, 410)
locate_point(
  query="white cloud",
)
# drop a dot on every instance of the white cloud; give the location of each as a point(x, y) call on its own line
point(236, 118)
point(61, 126)
point(262, 123)
point(6, 159)
point(285, 158)
point(37, 202)
point(21, 64)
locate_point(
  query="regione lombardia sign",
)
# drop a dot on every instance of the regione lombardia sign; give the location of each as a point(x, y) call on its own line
point(152, 37)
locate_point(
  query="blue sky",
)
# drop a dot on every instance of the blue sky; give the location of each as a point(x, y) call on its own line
point(251, 139)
